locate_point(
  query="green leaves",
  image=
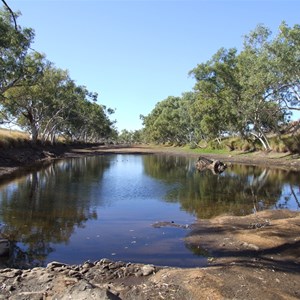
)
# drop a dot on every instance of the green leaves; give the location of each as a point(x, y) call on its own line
point(42, 99)
point(251, 93)
point(14, 46)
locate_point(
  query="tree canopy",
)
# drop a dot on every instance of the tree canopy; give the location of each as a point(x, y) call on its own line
point(41, 98)
point(250, 93)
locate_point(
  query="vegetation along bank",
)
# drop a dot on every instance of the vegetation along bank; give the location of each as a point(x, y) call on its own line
point(243, 108)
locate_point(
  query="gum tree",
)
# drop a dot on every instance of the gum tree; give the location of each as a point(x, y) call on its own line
point(14, 46)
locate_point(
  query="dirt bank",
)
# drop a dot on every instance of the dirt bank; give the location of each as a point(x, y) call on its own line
point(14, 158)
point(251, 257)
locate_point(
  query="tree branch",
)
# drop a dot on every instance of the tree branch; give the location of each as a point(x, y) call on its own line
point(11, 12)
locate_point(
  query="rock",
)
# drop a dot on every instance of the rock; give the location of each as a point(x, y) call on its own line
point(73, 273)
point(104, 261)
point(55, 264)
point(87, 265)
point(254, 247)
point(17, 279)
point(251, 246)
point(147, 270)
point(86, 291)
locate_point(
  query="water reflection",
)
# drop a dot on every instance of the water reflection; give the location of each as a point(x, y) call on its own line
point(113, 200)
point(45, 207)
point(240, 190)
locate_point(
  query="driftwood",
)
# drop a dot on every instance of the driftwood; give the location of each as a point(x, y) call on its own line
point(216, 166)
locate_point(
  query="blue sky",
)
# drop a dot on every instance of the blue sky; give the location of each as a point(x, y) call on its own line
point(137, 53)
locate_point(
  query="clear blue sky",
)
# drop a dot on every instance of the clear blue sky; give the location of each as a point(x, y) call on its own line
point(136, 53)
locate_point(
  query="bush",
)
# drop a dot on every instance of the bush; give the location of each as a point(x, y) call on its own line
point(292, 143)
point(247, 147)
point(215, 145)
point(231, 144)
point(192, 146)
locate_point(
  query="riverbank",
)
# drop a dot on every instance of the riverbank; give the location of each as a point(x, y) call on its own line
point(15, 158)
point(257, 257)
point(250, 257)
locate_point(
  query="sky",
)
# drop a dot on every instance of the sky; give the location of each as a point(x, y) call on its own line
point(137, 53)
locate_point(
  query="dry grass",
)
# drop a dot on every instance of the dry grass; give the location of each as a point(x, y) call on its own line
point(13, 138)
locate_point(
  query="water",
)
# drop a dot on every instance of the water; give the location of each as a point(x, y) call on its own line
point(94, 207)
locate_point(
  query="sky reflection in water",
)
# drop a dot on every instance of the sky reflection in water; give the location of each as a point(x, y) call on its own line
point(89, 208)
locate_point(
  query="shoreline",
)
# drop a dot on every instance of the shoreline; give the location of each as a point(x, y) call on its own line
point(250, 257)
point(245, 263)
point(15, 159)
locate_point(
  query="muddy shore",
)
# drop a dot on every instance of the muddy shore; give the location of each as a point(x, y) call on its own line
point(251, 257)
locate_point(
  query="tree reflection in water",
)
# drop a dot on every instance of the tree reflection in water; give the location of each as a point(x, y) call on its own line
point(240, 190)
point(43, 208)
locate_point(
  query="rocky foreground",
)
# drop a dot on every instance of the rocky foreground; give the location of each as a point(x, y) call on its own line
point(252, 257)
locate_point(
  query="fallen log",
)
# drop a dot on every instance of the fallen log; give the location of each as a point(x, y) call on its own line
point(216, 166)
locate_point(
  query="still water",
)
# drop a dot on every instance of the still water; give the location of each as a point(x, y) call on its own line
point(95, 207)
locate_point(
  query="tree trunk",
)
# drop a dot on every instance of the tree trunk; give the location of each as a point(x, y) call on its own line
point(263, 140)
point(34, 133)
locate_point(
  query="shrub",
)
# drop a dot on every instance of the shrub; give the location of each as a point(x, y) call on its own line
point(292, 143)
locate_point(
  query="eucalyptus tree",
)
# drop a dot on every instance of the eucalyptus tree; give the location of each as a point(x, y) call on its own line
point(172, 121)
point(165, 122)
point(259, 79)
point(56, 90)
point(218, 94)
point(150, 131)
point(194, 115)
point(285, 49)
point(40, 106)
point(24, 104)
point(76, 118)
point(87, 120)
point(250, 93)
point(189, 119)
point(125, 136)
point(137, 136)
point(236, 91)
point(130, 136)
point(98, 127)
point(14, 46)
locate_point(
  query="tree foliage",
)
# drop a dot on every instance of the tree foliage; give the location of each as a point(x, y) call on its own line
point(14, 46)
point(43, 99)
point(250, 93)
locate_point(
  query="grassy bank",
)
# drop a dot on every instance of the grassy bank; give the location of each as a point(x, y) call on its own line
point(13, 138)
point(287, 145)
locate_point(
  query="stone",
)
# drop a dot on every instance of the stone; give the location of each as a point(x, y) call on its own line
point(55, 264)
point(148, 270)
point(87, 265)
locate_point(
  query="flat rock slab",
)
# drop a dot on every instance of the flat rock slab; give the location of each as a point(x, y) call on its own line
point(248, 261)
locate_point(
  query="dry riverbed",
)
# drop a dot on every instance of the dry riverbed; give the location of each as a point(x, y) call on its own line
point(250, 257)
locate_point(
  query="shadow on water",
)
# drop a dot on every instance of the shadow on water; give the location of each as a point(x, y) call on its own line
point(44, 207)
point(45, 214)
point(240, 190)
